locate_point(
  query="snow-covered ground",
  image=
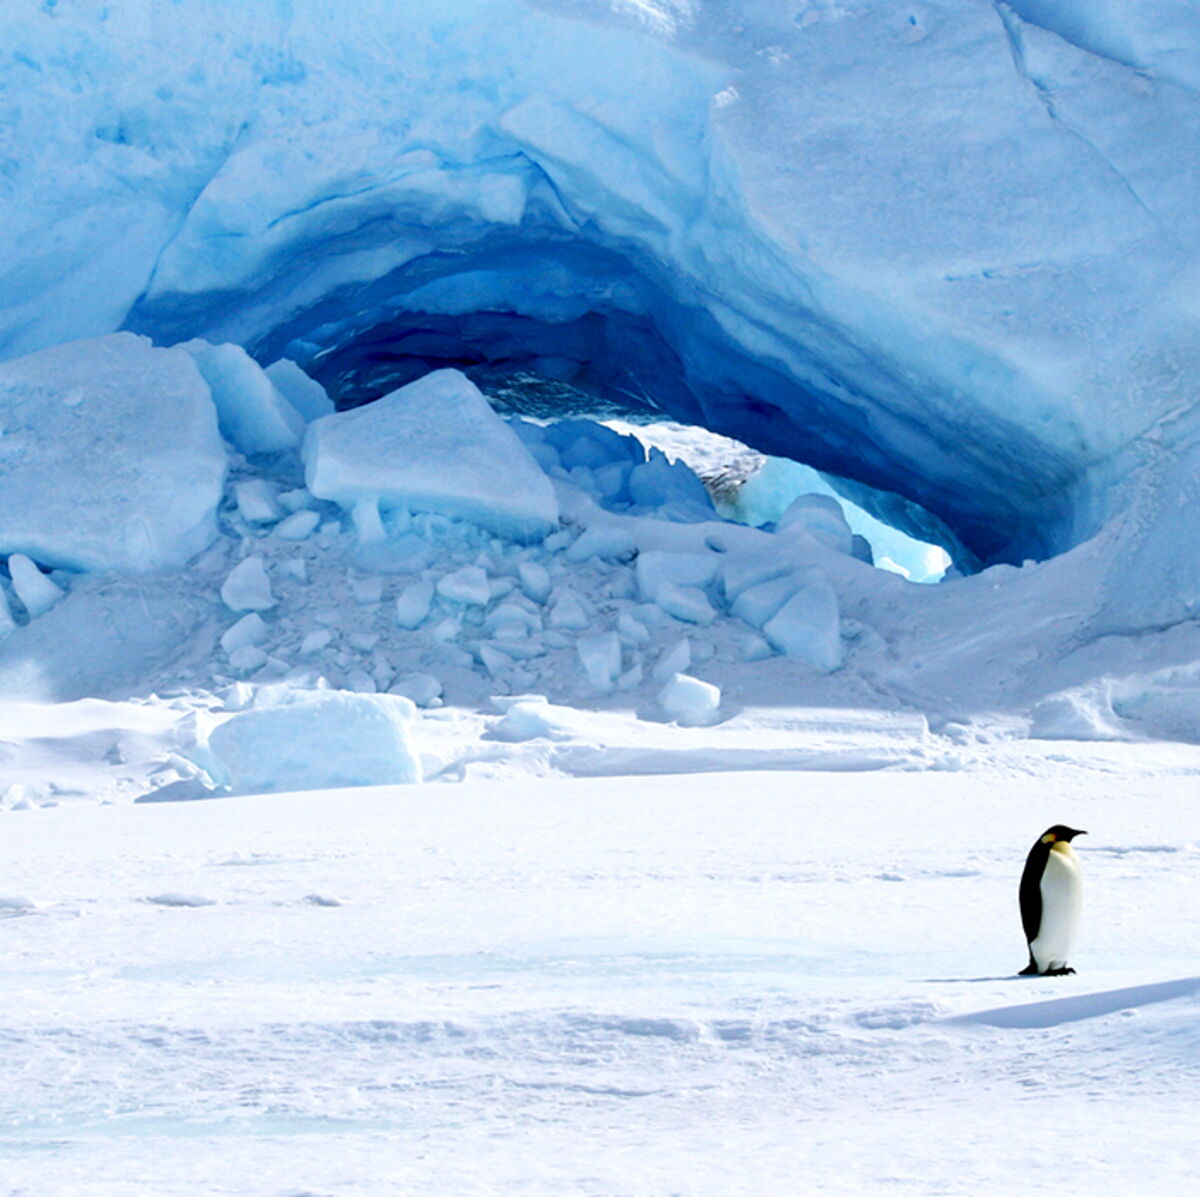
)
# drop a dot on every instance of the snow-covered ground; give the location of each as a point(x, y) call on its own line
point(755, 982)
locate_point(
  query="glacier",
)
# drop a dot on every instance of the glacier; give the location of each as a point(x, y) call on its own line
point(945, 250)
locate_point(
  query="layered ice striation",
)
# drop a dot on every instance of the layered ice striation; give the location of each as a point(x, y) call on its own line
point(948, 250)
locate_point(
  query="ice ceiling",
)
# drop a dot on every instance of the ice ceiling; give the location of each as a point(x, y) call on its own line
point(942, 249)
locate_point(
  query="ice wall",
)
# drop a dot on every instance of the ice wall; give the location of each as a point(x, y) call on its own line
point(945, 248)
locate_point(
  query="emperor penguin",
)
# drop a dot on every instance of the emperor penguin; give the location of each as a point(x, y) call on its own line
point(1051, 899)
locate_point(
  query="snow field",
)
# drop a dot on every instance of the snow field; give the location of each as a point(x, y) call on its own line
point(750, 982)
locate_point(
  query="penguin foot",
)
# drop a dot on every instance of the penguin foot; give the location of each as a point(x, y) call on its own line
point(1030, 970)
point(1059, 972)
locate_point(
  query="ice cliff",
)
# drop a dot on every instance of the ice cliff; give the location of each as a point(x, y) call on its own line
point(947, 249)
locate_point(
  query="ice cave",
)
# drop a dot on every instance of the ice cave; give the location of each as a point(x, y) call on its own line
point(908, 247)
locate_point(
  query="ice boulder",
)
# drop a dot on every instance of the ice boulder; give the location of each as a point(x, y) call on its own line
point(821, 516)
point(689, 701)
point(437, 446)
point(601, 658)
point(807, 626)
point(253, 415)
point(305, 394)
point(670, 489)
point(38, 592)
point(317, 740)
point(683, 569)
point(248, 587)
point(110, 458)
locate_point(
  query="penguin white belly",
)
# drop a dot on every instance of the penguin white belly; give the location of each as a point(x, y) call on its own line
point(1062, 900)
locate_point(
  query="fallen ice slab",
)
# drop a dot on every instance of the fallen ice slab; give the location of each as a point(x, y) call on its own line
point(317, 740)
point(435, 445)
point(253, 413)
point(111, 456)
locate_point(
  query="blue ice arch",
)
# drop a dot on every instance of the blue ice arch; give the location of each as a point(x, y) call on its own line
point(946, 249)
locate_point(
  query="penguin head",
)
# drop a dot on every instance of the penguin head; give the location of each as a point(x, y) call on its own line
point(1060, 834)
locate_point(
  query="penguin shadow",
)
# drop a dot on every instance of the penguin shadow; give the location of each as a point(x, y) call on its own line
point(976, 980)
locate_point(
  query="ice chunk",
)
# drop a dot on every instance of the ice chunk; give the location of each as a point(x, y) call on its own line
point(860, 549)
point(253, 415)
point(468, 586)
point(631, 630)
point(610, 543)
point(250, 629)
point(317, 740)
point(760, 603)
point(298, 526)
point(305, 394)
point(535, 580)
point(689, 701)
point(422, 688)
point(368, 523)
point(435, 445)
point(111, 457)
point(247, 659)
point(256, 501)
point(511, 619)
point(412, 604)
point(601, 657)
point(529, 718)
point(675, 660)
point(754, 648)
point(569, 613)
point(685, 602)
point(807, 625)
point(670, 488)
point(295, 567)
point(822, 518)
point(684, 569)
point(587, 443)
point(248, 588)
point(36, 591)
point(316, 641)
point(296, 499)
